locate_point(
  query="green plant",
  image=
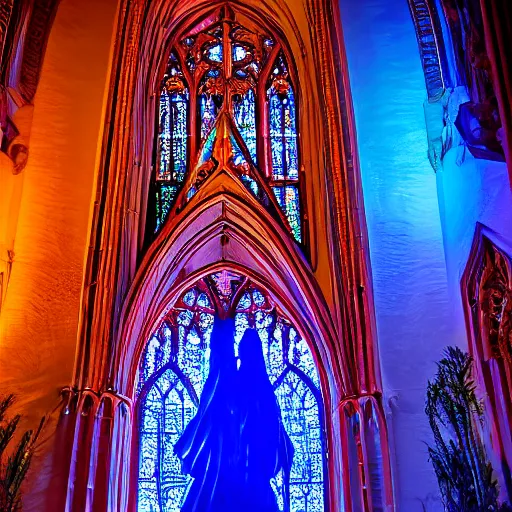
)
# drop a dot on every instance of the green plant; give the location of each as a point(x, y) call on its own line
point(464, 474)
point(13, 469)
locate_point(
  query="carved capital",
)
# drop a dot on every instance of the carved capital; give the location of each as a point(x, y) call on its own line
point(96, 433)
point(87, 401)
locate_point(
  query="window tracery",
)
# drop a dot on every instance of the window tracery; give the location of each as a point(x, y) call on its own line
point(174, 368)
point(172, 141)
point(219, 67)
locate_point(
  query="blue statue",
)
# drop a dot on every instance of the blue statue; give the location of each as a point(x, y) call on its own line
point(207, 446)
point(236, 442)
point(264, 448)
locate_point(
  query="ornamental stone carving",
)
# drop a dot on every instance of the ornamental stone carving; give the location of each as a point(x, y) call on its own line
point(496, 305)
point(477, 119)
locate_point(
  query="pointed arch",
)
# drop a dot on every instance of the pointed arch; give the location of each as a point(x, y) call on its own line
point(230, 71)
point(176, 359)
point(337, 228)
point(225, 227)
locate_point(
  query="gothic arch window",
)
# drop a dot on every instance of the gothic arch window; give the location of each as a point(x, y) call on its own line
point(173, 152)
point(224, 65)
point(172, 373)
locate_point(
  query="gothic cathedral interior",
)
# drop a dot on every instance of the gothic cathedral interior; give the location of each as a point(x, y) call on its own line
point(255, 255)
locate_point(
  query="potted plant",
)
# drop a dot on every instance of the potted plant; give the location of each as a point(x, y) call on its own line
point(463, 471)
point(14, 462)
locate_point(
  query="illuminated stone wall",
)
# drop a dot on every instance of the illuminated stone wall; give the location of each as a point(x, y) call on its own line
point(39, 321)
point(421, 224)
point(404, 228)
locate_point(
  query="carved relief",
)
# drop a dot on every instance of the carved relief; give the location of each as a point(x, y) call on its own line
point(6, 7)
point(430, 42)
point(487, 291)
point(496, 305)
point(478, 119)
point(41, 19)
point(437, 77)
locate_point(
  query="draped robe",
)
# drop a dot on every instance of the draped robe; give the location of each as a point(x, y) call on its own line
point(207, 446)
point(236, 442)
point(264, 448)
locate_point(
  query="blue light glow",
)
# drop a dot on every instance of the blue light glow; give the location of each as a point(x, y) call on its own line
point(173, 372)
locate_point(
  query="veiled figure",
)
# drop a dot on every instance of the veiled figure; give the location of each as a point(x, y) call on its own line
point(207, 446)
point(236, 442)
point(264, 447)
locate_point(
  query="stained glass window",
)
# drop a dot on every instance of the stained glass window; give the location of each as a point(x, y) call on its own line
point(174, 368)
point(283, 144)
point(283, 131)
point(245, 117)
point(288, 198)
point(218, 67)
point(172, 138)
point(209, 102)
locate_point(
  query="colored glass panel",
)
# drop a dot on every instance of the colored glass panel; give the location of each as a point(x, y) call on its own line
point(215, 53)
point(173, 370)
point(173, 136)
point(239, 53)
point(172, 140)
point(243, 167)
point(239, 159)
point(250, 184)
point(166, 410)
point(288, 198)
point(203, 52)
point(303, 426)
point(208, 113)
point(245, 119)
point(164, 138)
point(283, 135)
point(207, 148)
point(165, 197)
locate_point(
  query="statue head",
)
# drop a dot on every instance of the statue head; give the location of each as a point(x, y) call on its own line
point(251, 352)
point(222, 341)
